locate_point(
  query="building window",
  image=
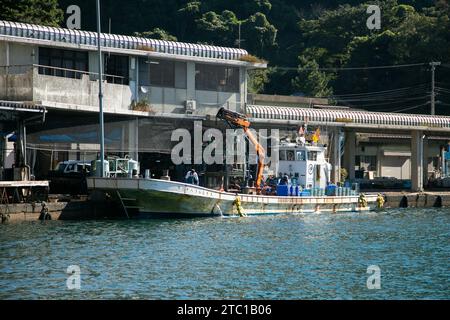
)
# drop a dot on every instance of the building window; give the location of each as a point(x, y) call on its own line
point(162, 73)
point(216, 78)
point(117, 69)
point(63, 63)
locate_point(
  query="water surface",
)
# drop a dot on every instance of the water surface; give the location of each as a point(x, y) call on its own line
point(318, 256)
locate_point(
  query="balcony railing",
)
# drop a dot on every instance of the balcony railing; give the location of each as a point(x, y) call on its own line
point(61, 72)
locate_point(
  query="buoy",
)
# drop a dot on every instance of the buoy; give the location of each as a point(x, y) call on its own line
point(380, 201)
point(5, 217)
point(362, 200)
point(239, 208)
point(45, 215)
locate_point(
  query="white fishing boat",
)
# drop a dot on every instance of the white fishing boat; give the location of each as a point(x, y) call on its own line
point(306, 188)
point(152, 197)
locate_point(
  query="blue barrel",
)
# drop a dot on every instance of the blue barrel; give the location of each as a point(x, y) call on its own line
point(282, 190)
point(331, 190)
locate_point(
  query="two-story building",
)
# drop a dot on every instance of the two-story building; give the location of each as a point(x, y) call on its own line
point(150, 88)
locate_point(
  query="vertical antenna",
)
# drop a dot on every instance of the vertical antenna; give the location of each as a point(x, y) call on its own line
point(100, 94)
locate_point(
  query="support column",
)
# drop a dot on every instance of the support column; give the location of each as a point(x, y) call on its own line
point(190, 81)
point(349, 153)
point(133, 139)
point(425, 161)
point(335, 158)
point(417, 161)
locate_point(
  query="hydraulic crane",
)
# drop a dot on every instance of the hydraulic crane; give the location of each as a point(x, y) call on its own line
point(236, 120)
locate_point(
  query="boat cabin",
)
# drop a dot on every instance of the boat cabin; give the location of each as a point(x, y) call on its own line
point(304, 164)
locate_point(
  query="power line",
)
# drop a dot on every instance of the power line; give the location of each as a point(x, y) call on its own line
point(442, 89)
point(409, 108)
point(384, 99)
point(384, 92)
point(386, 103)
point(399, 95)
point(350, 68)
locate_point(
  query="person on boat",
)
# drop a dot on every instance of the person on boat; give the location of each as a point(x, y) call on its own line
point(192, 177)
point(284, 180)
point(235, 186)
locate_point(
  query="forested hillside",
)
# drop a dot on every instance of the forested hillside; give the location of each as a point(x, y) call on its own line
point(314, 48)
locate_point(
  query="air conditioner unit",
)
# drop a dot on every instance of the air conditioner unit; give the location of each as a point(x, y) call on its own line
point(191, 106)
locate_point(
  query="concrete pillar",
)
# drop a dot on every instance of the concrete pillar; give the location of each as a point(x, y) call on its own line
point(335, 157)
point(190, 81)
point(242, 90)
point(133, 139)
point(417, 160)
point(349, 153)
point(425, 161)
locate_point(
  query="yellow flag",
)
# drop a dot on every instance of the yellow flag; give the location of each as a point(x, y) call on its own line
point(316, 136)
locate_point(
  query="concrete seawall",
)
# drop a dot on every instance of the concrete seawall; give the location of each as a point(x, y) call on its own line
point(74, 210)
point(417, 200)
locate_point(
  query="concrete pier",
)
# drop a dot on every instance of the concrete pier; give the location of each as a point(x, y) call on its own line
point(73, 210)
point(436, 199)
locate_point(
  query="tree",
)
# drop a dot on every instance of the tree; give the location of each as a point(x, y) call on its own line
point(259, 33)
point(218, 29)
point(43, 12)
point(311, 81)
point(156, 33)
point(257, 79)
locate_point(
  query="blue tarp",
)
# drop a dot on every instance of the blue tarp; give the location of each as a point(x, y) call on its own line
point(85, 137)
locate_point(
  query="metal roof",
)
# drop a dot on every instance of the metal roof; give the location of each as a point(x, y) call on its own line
point(78, 37)
point(347, 116)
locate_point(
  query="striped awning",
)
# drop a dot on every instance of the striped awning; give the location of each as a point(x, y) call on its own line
point(78, 37)
point(327, 116)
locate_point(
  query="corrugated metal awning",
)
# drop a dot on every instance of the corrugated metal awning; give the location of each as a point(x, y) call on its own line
point(346, 116)
point(78, 37)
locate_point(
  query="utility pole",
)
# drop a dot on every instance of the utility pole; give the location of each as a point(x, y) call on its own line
point(433, 93)
point(239, 40)
point(239, 34)
point(100, 94)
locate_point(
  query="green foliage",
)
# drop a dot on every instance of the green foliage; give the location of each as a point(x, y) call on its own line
point(218, 27)
point(156, 33)
point(259, 33)
point(310, 80)
point(257, 79)
point(43, 12)
point(307, 39)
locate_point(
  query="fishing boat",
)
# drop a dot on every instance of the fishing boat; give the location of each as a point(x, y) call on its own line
point(305, 190)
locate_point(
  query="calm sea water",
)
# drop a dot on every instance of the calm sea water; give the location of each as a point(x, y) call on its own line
point(318, 256)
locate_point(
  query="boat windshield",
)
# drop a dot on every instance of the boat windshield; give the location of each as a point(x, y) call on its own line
point(61, 167)
point(300, 155)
